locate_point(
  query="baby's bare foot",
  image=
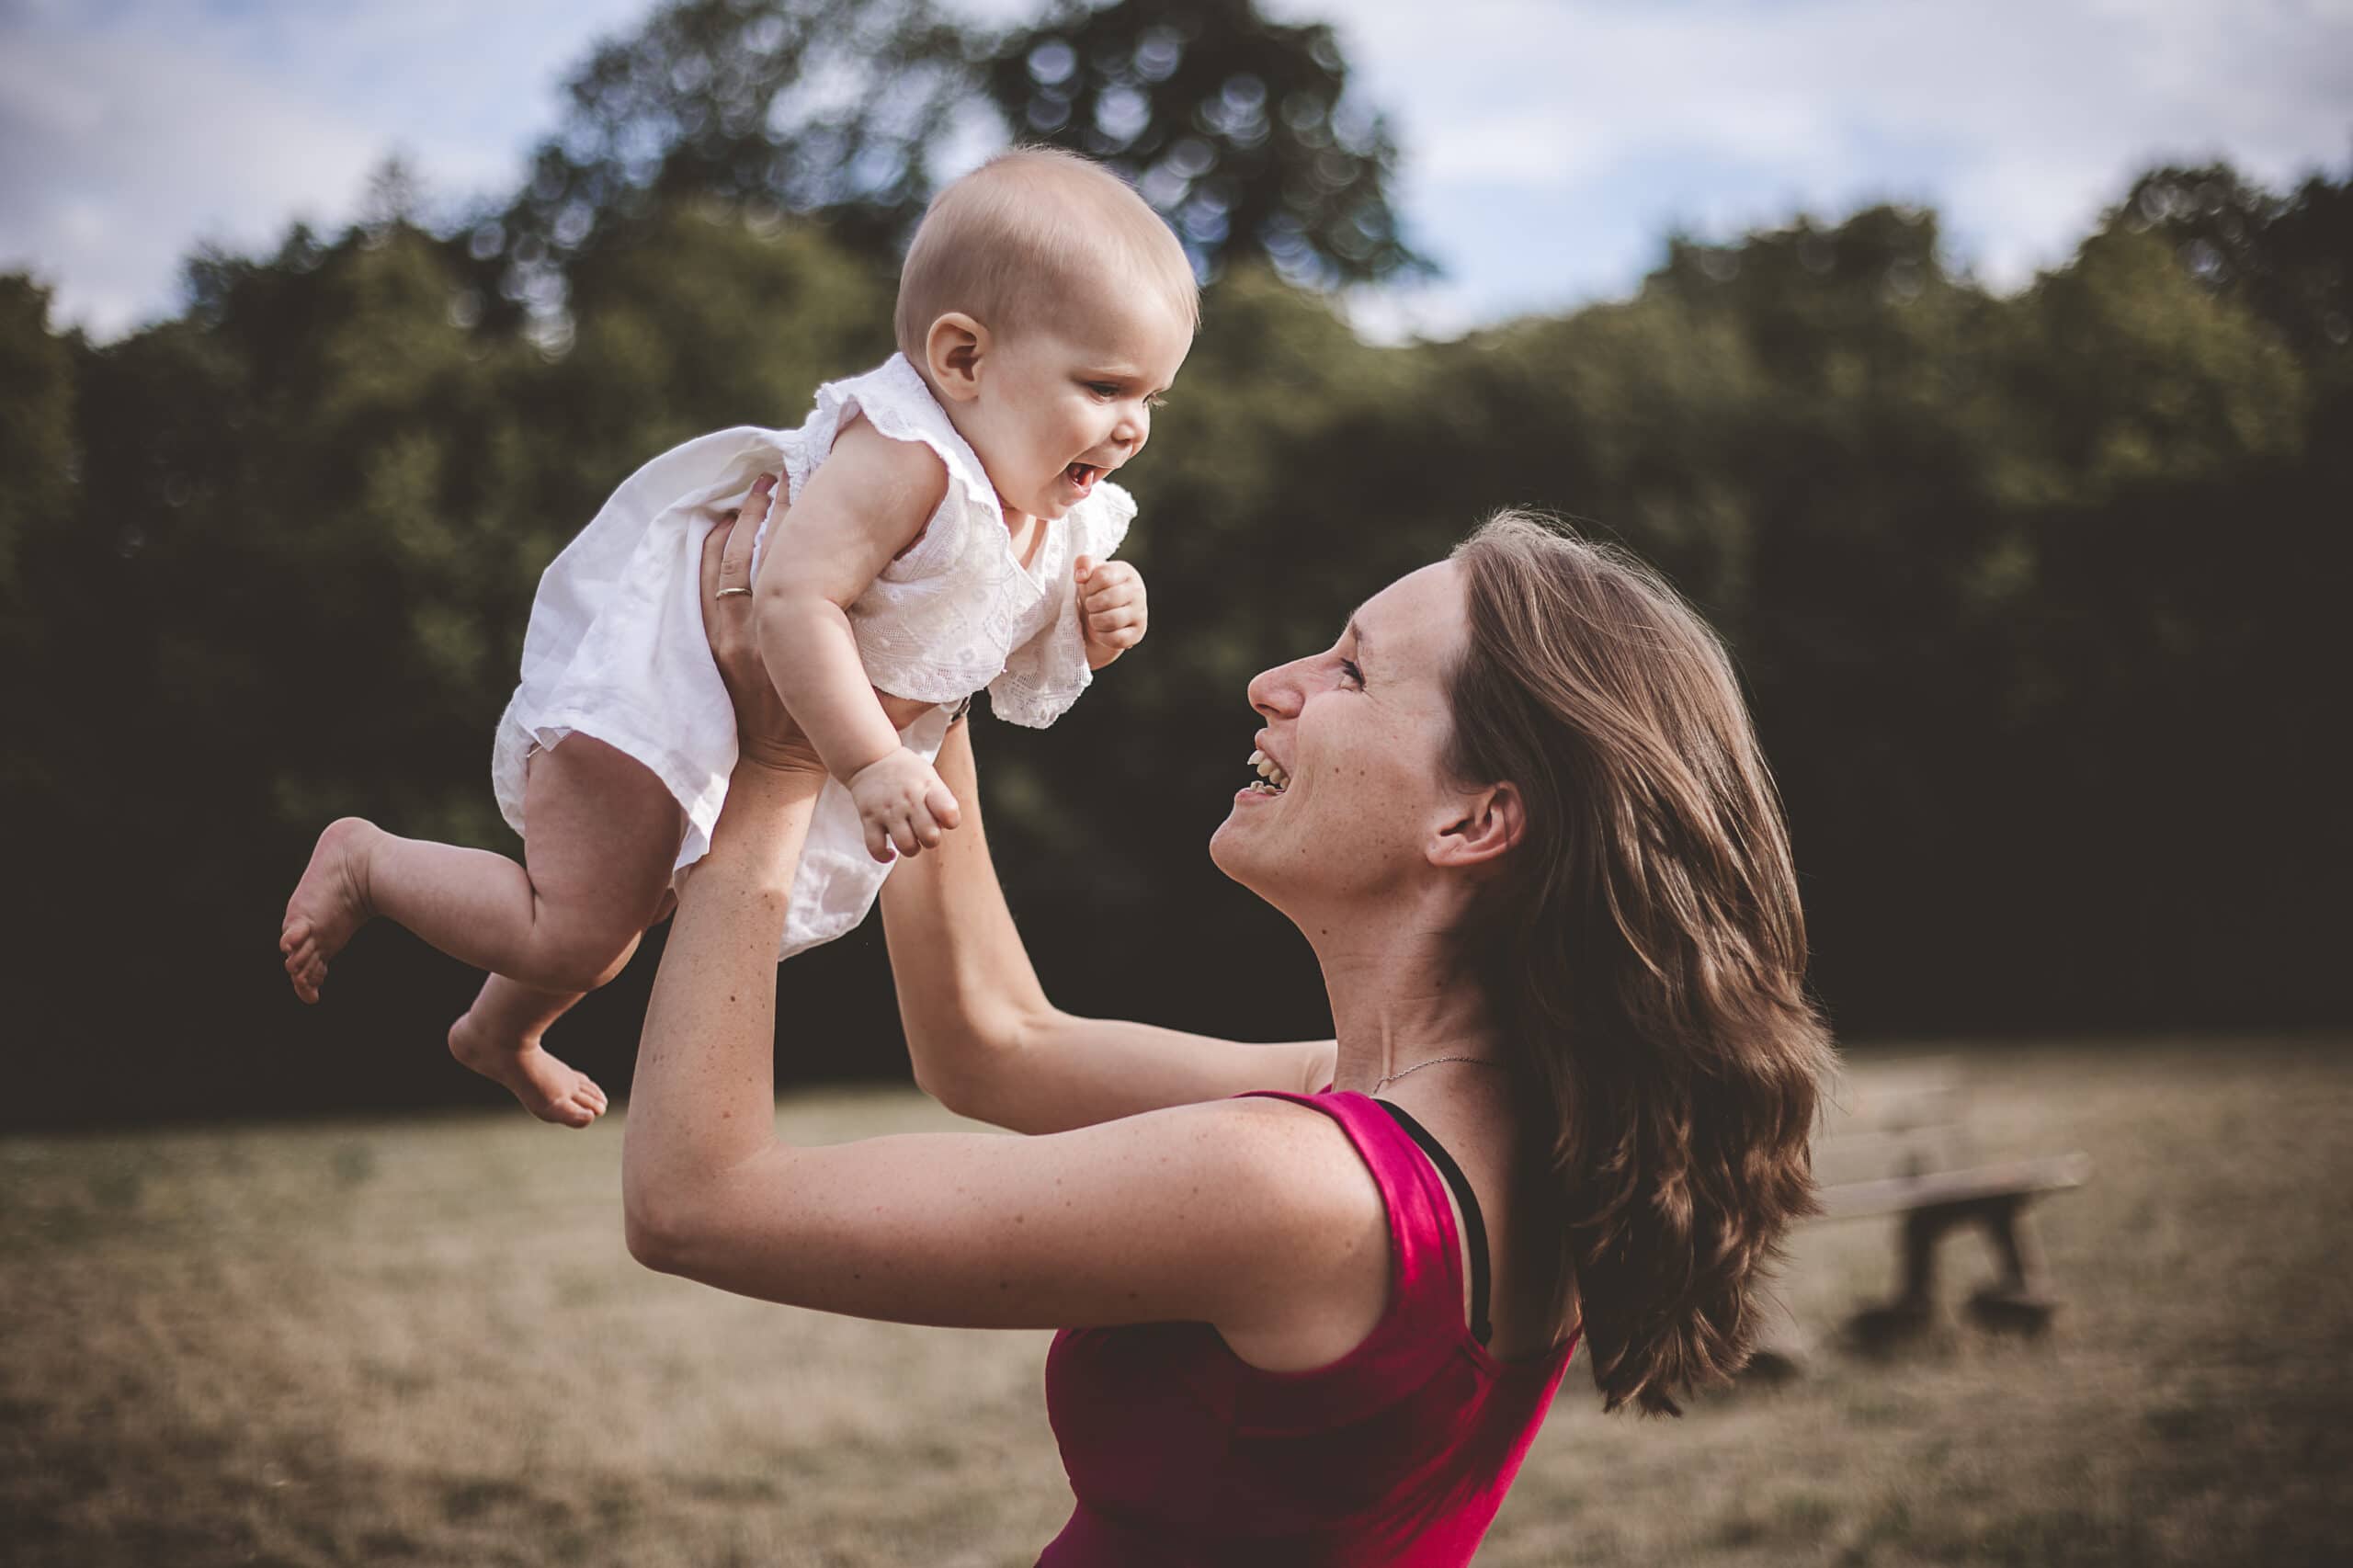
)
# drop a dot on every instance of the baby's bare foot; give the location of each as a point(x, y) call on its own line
point(548, 1089)
point(329, 903)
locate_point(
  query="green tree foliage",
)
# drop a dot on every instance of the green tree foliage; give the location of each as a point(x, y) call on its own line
point(2035, 594)
point(36, 440)
point(1241, 130)
point(800, 107)
point(2289, 259)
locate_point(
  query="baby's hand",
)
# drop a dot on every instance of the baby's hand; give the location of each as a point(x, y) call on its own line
point(902, 803)
point(1111, 609)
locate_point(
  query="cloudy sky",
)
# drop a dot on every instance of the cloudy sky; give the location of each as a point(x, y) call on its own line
point(1549, 143)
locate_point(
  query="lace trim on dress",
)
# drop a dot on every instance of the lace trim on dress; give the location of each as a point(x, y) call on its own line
point(1048, 671)
point(905, 410)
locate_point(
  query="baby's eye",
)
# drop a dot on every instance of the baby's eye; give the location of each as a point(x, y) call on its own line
point(1104, 389)
point(1155, 403)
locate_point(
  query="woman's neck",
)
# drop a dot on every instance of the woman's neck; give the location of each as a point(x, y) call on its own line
point(1392, 1013)
point(1399, 992)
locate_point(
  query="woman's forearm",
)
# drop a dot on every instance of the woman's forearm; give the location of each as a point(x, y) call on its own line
point(702, 1105)
point(967, 994)
point(984, 1039)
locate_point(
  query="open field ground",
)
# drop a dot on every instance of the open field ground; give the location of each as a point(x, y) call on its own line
point(422, 1341)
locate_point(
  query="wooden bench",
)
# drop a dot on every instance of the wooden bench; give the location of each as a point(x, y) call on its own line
point(1895, 1142)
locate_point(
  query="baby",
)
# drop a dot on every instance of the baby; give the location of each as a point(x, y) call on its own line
point(949, 518)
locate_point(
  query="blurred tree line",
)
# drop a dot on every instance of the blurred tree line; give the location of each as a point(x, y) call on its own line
point(2035, 594)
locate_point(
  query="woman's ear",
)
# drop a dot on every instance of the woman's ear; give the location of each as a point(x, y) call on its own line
point(1487, 824)
point(953, 351)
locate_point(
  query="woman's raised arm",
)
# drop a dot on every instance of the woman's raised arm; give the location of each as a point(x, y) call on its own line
point(987, 1043)
point(1252, 1215)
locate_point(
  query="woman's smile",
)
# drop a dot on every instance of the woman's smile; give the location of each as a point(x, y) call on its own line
point(1272, 779)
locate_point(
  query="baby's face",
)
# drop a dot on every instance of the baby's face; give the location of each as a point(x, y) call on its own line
point(1064, 403)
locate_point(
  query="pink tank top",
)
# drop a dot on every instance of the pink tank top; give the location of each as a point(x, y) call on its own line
point(1180, 1453)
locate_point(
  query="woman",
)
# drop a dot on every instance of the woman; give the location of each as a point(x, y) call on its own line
point(1519, 811)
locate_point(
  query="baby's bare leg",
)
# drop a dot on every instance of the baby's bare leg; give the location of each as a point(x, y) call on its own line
point(502, 1031)
point(498, 1037)
point(603, 835)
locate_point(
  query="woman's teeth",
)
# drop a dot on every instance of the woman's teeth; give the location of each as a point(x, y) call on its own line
point(1272, 779)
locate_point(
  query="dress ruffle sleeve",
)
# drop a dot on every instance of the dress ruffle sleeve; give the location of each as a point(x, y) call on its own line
point(931, 626)
point(1046, 674)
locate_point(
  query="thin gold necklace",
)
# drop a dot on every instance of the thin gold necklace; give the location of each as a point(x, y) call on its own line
point(1475, 1061)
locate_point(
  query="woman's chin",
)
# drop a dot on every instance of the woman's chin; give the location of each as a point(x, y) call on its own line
point(1228, 853)
point(1240, 849)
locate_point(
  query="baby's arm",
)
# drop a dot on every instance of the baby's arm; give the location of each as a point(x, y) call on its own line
point(866, 502)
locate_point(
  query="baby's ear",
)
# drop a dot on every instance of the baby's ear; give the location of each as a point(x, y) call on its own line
point(953, 351)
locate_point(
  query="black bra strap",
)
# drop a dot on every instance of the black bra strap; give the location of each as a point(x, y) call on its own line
point(1477, 1226)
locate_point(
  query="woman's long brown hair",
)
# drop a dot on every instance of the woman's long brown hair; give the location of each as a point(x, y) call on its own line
point(1642, 949)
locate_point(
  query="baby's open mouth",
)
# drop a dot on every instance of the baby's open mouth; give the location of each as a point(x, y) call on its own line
point(1084, 475)
point(1271, 780)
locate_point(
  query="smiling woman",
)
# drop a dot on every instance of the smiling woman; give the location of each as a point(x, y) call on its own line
point(1517, 811)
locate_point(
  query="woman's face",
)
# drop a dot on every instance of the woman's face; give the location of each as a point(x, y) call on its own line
point(1355, 739)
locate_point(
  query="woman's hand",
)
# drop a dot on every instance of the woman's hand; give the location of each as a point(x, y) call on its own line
point(765, 732)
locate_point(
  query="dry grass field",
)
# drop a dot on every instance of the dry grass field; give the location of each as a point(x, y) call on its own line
point(422, 1341)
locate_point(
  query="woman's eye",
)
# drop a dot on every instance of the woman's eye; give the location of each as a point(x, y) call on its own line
point(1348, 668)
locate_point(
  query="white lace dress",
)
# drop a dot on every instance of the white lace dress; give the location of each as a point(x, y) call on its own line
point(616, 648)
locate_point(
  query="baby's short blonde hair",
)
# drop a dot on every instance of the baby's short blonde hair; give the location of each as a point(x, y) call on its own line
point(1025, 232)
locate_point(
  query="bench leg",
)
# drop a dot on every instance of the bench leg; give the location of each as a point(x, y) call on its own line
point(2016, 1302)
point(1882, 1327)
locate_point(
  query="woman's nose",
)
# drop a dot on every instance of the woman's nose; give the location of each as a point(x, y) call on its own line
point(1275, 693)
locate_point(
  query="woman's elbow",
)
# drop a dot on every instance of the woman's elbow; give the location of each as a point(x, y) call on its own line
point(942, 1080)
point(961, 1066)
point(661, 1232)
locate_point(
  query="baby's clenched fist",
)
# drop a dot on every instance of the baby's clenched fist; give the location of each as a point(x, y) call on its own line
point(1110, 607)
